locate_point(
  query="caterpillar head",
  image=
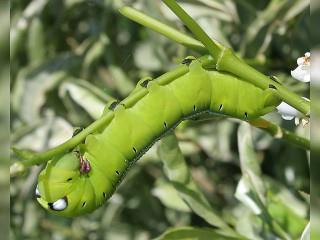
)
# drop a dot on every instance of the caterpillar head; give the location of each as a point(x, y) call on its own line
point(63, 188)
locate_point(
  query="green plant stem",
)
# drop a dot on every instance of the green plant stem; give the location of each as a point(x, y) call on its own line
point(163, 29)
point(212, 46)
point(273, 129)
point(32, 158)
point(280, 133)
point(226, 60)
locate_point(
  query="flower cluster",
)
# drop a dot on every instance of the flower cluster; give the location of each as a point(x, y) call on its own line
point(301, 73)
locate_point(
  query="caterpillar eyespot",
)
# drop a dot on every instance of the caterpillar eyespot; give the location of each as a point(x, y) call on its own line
point(59, 205)
point(37, 193)
point(88, 178)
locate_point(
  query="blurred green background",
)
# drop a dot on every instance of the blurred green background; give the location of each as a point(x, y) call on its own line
point(4, 119)
point(315, 135)
point(69, 57)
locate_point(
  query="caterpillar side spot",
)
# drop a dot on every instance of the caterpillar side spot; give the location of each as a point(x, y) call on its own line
point(188, 60)
point(273, 87)
point(77, 131)
point(83, 204)
point(145, 83)
point(104, 195)
point(117, 172)
point(220, 107)
point(134, 150)
point(245, 115)
point(274, 78)
point(165, 124)
point(194, 108)
point(113, 105)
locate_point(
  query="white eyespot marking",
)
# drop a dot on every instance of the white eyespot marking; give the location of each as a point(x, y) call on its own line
point(59, 205)
point(37, 192)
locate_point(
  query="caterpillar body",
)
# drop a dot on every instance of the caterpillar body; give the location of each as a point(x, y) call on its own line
point(80, 181)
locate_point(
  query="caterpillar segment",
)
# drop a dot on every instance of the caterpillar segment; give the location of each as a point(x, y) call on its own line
point(80, 181)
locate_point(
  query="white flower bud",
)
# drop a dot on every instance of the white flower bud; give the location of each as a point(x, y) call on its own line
point(288, 113)
point(302, 72)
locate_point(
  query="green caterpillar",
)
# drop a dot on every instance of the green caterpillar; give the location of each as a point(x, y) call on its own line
point(80, 181)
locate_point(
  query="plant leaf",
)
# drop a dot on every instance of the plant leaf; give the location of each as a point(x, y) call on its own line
point(190, 233)
point(178, 173)
point(85, 95)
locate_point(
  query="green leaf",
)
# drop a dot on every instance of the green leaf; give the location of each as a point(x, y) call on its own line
point(291, 222)
point(23, 154)
point(272, 18)
point(285, 208)
point(190, 233)
point(306, 233)
point(86, 95)
point(36, 42)
point(95, 52)
point(21, 26)
point(32, 85)
point(169, 197)
point(250, 166)
point(178, 173)
point(17, 169)
point(251, 189)
point(121, 80)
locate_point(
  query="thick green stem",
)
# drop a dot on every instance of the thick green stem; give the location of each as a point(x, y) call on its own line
point(280, 133)
point(227, 61)
point(32, 158)
point(212, 46)
point(163, 29)
point(273, 129)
